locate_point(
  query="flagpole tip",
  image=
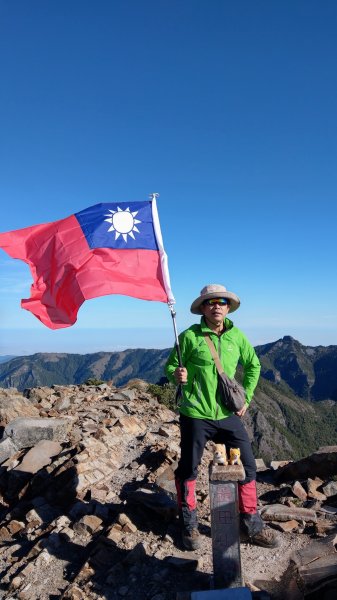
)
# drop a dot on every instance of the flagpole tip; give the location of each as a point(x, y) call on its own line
point(154, 195)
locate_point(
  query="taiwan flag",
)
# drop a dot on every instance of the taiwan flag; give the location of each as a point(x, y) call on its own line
point(110, 248)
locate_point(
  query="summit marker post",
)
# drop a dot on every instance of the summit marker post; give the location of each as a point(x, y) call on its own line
point(225, 524)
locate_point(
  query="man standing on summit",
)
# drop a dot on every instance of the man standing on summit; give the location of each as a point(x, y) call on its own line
point(203, 416)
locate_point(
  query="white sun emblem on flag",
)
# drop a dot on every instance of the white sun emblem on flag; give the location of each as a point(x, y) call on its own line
point(123, 223)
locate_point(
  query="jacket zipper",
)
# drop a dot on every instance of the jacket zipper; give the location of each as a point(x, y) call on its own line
point(216, 391)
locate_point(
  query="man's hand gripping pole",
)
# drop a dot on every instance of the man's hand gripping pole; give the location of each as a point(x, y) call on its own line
point(173, 315)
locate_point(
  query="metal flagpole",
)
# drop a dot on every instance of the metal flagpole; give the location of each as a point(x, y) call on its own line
point(173, 315)
point(154, 196)
point(179, 391)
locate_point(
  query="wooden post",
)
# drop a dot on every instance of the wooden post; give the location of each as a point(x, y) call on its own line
point(225, 524)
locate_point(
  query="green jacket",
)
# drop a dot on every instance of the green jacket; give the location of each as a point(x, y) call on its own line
point(200, 397)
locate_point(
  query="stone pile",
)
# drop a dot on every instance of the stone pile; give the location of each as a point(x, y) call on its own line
point(88, 506)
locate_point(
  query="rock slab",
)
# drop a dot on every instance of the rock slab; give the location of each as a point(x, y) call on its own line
point(39, 456)
point(322, 463)
point(27, 432)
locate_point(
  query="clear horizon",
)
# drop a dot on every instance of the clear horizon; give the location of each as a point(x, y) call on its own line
point(101, 342)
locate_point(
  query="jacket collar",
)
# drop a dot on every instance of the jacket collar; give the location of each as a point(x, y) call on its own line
point(205, 329)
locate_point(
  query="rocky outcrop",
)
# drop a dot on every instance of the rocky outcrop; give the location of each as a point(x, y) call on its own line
point(13, 405)
point(88, 505)
point(322, 463)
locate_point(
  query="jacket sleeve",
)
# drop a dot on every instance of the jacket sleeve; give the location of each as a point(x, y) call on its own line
point(171, 365)
point(251, 367)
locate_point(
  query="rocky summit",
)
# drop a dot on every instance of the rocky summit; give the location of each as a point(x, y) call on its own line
point(88, 507)
point(293, 413)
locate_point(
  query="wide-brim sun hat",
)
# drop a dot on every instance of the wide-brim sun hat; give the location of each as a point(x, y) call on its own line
point(215, 290)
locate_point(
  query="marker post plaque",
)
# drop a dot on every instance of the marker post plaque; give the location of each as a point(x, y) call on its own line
point(225, 524)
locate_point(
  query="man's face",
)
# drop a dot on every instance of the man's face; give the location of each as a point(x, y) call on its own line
point(214, 311)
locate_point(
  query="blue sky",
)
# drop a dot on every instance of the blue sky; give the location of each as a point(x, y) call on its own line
point(227, 109)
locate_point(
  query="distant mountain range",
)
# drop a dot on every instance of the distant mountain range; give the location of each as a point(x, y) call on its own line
point(294, 410)
point(64, 369)
point(310, 372)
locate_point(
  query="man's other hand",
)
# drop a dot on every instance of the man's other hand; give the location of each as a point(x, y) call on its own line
point(180, 375)
point(241, 412)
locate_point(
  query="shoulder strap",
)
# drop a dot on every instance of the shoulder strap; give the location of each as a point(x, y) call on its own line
point(214, 353)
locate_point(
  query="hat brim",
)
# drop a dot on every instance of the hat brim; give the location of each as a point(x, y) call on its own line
point(234, 301)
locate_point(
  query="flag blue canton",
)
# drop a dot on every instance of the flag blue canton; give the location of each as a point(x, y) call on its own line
point(119, 225)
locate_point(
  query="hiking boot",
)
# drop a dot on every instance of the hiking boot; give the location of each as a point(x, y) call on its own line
point(253, 531)
point(190, 539)
point(267, 538)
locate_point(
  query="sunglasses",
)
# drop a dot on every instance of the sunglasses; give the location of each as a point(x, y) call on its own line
point(212, 301)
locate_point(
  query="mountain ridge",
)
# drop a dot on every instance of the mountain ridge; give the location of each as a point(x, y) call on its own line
point(307, 371)
point(48, 368)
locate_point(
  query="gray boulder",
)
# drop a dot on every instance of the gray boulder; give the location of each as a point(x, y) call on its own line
point(27, 432)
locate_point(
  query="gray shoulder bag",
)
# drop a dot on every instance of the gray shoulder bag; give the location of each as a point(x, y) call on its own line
point(232, 393)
